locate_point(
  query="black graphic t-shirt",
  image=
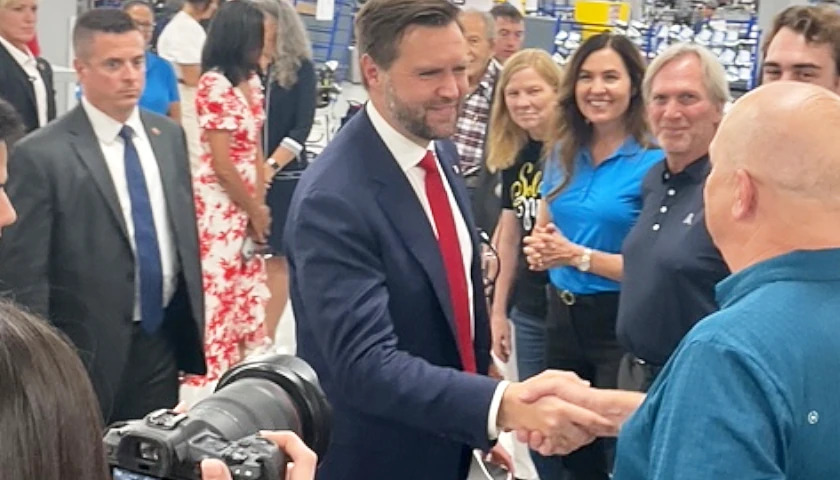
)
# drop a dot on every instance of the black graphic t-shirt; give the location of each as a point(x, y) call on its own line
point(520, 192)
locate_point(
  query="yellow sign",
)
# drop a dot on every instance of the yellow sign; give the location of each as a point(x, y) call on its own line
point(600, 16)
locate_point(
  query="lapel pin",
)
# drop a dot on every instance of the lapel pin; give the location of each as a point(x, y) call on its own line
point(456, 169)
point(155, 131)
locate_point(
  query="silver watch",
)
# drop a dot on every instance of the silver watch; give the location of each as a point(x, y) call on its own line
point(585, 260)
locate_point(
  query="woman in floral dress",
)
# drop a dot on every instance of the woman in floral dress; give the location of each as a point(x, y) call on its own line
point(229, 193)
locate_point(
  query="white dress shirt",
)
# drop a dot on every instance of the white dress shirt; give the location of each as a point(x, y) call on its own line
point(113, 149)
point(408, 155)
point(29, 65)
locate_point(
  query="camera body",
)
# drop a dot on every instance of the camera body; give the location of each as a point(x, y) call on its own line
point(169, 445)
point(272, 392)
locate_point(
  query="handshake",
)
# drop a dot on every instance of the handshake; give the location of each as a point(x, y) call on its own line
point(556, 412)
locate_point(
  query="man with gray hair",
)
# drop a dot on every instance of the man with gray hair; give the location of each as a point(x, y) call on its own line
point(474, 118)
point(671, 265)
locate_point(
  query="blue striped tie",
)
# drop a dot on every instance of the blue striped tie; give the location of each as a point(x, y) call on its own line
point(145, 238)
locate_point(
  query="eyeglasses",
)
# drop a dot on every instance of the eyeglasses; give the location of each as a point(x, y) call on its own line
point(489, 264)
point(145, 25)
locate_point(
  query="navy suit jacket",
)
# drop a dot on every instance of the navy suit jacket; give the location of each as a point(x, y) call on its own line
point(374, 318)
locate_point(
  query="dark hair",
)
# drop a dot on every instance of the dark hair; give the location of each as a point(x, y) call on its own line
point(574, 130)
point(819, 24)
point(135, 3)
point(506, 10)
point(11, 124)
point(381, 24)
point(234, 41)
point(52, 426)
point(99, 20)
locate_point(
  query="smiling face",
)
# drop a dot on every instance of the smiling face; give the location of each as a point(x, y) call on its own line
point(479, 47)
point(682, 114)
point(420, 94)
point(531, 101)
point(603, 87)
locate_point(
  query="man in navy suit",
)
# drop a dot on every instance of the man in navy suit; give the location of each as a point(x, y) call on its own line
point(385, 279)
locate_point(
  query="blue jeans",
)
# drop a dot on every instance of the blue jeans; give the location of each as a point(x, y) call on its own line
point(530, 361)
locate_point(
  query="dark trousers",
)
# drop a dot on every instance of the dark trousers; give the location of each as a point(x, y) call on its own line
point(635, 374)
point(580, 337)
point(150, 379)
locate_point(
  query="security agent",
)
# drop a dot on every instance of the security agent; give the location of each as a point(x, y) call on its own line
point(671, 265)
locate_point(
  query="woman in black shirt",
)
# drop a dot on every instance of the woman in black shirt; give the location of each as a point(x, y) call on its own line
point(290, 110)
point(524, 113)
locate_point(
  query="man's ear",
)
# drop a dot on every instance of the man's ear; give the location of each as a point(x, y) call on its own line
point(371, 72)
point(745, 195)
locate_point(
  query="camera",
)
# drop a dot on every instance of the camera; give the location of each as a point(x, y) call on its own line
point(270, 392)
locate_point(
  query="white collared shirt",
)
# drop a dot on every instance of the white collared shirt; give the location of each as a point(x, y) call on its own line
point(113, 149)
point(408, 155)
point(30, 66)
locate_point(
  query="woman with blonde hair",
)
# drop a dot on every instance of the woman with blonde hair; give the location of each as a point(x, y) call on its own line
point(524, 116)
point(290, 110)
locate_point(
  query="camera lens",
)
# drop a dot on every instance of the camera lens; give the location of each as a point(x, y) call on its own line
point(271, 392)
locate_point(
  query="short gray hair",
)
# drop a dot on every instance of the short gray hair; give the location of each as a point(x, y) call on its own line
point(714, 76)
point(293, 45)
point(487, 18)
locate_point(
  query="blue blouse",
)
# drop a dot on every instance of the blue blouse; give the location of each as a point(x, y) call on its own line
point(161, 85)
point(597, 208)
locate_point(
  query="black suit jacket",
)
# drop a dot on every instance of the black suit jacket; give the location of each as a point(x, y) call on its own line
point(16, 88)
point(69, 258)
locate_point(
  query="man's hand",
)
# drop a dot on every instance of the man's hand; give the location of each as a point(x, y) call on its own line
point(500, 329)
point(302, 460)
point(613, 405)
point(562, 426)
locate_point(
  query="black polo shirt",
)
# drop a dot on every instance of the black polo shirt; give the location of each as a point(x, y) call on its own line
point(671, 266)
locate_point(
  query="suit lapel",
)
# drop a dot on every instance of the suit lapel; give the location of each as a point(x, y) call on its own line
point(20, 76)
point(399, 202)
point(86, 146)
point(449, 162)
point(163, 156)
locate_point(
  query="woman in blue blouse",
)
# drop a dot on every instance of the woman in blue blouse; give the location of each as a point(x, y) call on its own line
point(592, 196)
point(160, 94)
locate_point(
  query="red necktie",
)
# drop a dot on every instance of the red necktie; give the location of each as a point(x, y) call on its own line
point(453, 261)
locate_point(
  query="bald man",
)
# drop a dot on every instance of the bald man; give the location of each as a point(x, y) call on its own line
point(753, 391)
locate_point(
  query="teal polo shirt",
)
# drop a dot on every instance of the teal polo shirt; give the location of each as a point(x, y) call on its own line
point(753, 391)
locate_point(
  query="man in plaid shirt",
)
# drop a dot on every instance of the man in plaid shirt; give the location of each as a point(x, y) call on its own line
point(482, 71)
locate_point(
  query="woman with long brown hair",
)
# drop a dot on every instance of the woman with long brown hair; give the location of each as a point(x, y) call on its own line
point(592, 196)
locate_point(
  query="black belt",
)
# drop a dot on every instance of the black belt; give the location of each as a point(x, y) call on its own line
point(571, 299)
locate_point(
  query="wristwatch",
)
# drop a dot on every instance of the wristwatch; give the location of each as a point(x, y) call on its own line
point(585, 261)
point(273, 163)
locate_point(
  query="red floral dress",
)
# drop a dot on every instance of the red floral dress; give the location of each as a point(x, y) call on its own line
point(235, 289)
